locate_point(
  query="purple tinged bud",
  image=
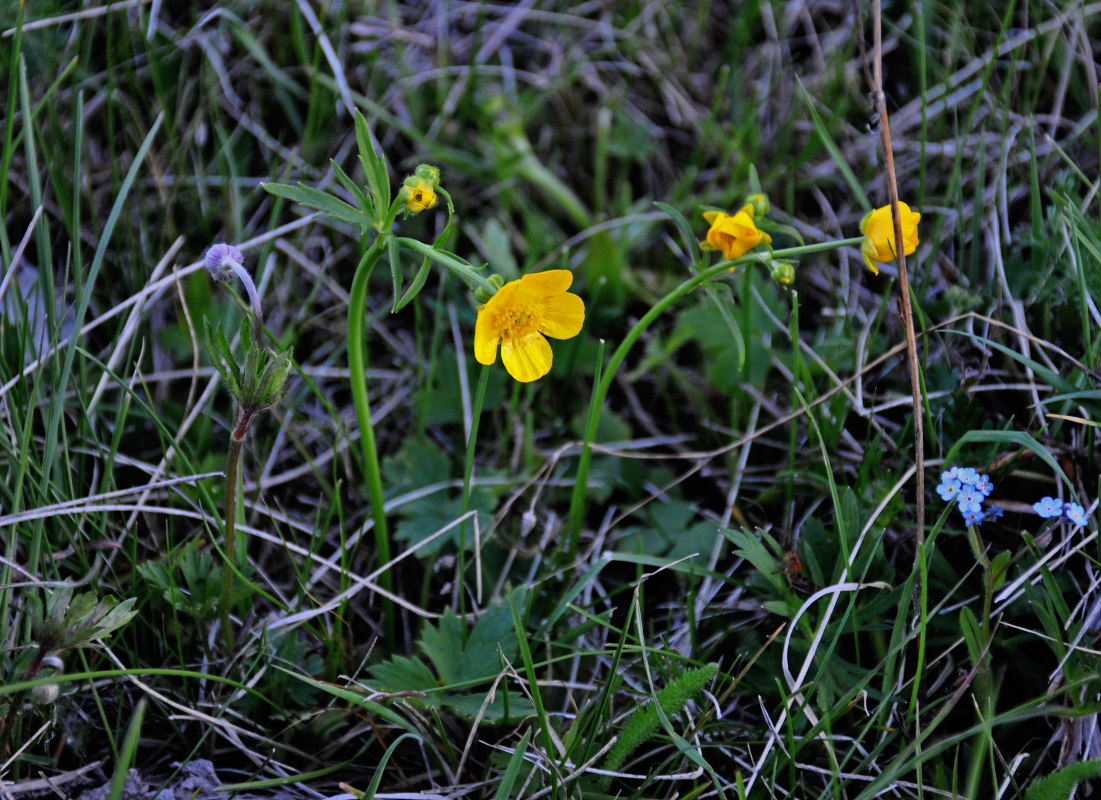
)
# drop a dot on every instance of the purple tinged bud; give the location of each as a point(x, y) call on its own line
point(219, 260)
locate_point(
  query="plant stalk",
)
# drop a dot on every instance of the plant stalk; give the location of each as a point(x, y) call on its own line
point(372, 475)
point(233, 461)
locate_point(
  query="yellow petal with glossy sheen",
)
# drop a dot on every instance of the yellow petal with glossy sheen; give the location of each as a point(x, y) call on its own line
point(485, 337)
point(563, 316)
point(552, 281)
point(527, 359)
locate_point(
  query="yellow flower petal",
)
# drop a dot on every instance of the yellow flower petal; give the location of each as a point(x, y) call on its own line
point(486, 338)
point(527, 359)
point(552, 281)
point(563, 316)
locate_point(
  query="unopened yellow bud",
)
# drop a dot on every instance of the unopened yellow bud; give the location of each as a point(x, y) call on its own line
point(759, 202)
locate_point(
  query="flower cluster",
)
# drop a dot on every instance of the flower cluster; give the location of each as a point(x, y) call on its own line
point(969, 489)
point(1052, 507)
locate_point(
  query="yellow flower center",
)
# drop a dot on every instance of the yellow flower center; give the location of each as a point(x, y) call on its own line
point(516, 318)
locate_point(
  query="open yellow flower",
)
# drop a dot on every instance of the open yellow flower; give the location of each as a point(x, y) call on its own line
point(734, 235)
point(879, 231)
point(521, 315)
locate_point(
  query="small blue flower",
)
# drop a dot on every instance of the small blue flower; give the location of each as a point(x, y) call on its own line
point(969, 499)
point(1075, 513)
point(973, 517)
point(949, 487)
point(1048, 507)
point(967, 475)
point(984, 485)
point(994, 512)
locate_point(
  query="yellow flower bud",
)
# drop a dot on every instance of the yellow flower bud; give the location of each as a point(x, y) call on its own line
point(759, 202)
point(878, 228)
point(417, 194)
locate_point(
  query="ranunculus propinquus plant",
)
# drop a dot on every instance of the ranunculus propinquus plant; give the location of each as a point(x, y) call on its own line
point(516, 316)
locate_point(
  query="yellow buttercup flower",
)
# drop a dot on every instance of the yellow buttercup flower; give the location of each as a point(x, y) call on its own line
point(417, 194)
point(879, 230)
point(519, 317)
point(735, 235)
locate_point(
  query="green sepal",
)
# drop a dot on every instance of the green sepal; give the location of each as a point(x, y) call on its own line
point(222, 358)
point(271, 383)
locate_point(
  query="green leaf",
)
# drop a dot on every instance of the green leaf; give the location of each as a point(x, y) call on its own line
point(395, 270)
point(856, 188)
point(1059, 784)
point(443, 644)
point(378, 179)
point(725, 305)
point(349, 184)
point(972, 634)
point(402, 674)
point(322, 201)
point(750, 548)
point(428, 515)
point(512, 771)
point(493, 634)
point(691, 244)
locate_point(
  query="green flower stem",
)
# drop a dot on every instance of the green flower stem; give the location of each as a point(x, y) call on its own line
point(357, 364)
point(233, 461)
point(577, 500)
point(468, 474)
point(469, 275)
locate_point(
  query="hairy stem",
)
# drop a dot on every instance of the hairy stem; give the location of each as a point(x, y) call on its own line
point(233, 461)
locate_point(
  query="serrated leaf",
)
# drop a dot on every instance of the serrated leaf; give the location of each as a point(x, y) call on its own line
point(493, 634)
point(443, 645)
point(321, 201)
point(427, 516)
point(402, 674)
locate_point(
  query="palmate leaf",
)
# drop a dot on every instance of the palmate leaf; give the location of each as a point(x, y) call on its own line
point(458, 664)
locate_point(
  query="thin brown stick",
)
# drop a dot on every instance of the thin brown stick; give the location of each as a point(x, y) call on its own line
point(904, 283)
